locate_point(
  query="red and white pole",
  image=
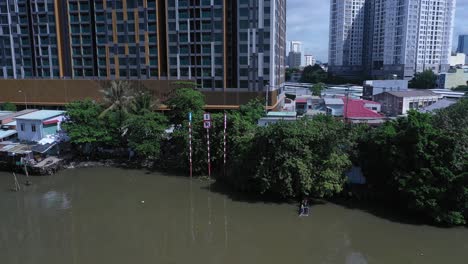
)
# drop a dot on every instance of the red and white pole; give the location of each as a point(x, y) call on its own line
point(190, 144)
point(208, 146)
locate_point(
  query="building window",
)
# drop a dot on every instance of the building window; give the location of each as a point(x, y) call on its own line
point(33, 128)
point(22, 127)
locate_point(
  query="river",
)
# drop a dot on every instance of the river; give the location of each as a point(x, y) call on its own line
point(106, 215)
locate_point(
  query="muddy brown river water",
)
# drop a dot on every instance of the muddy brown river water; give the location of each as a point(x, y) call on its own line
point(106, 215)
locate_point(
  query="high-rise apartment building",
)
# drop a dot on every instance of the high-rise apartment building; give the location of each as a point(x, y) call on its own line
point(462, 44)
point(221, 44)
point(30, 45)
point(310, 60)
point(295, 54)
point(385, 37)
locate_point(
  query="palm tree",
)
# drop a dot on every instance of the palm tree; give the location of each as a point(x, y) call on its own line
point(117, 96)
point(143, 101)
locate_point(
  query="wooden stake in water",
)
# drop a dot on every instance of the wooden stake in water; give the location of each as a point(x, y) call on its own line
point(17, 185)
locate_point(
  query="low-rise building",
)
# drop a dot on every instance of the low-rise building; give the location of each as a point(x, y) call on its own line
point(8, 117)
point(373, 87)
point(457, 59)
point(399, 103)
point(334, 106)
point(362, 111)
point(275, 117)
point(453, 78)
point(37, 125)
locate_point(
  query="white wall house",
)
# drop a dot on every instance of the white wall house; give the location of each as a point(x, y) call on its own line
point(334, 106)
point(399, 103)
point(37, 125)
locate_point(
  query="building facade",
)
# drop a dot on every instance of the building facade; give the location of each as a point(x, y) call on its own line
point(385, 37)
point(463, 44)
point(309, 60)
point(220, 44)
point(400, 102)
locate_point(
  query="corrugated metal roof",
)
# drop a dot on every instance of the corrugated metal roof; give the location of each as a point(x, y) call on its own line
point(3, 113)
point(41, 115)
point(333, 101)
point(441, 104)
point(281, 114)
point(413, 93)
point(7, 133)
point(14, 114)
point(356, 109)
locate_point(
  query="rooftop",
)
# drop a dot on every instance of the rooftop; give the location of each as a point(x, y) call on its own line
point(14, 114)
point(441, 104)
point(6, 133)
point(281, 114)
point(333, 101)
point(356, 109)
point(4, 113)
point(41, 115)
point(412, 93)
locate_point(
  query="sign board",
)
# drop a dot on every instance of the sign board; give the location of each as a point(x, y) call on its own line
point(207, 124)
point(206, 117)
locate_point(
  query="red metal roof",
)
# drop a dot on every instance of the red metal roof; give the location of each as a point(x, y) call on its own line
point(50, 122)
point(301, 100)
point(354, 108)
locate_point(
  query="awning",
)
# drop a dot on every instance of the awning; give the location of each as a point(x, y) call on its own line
point(50, 122)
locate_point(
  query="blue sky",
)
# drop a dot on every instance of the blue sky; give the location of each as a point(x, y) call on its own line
point(308, 22)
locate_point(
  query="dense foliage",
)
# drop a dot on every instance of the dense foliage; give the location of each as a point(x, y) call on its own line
point(7, 106)
point(83, 124)
point(296, 159)
point(424, 80)
point(421, 162)
point(145, 133)
point(313, 74)
point(289, 72)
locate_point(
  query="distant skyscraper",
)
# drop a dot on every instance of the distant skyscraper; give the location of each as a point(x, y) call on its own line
point(463, 44)
point(309, 60)
point(296, 46)
point(295, 54)
point(384, 37)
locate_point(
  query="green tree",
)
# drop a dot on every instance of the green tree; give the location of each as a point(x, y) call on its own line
point(253, 110)
point(142, 102)
point(296, 159)
point(461, 88)
point(289, 72)
point(313, 74)
point(83, 125)
point(423, 80)
point(317, 89)
point(421, 163)
point(7, 106)
point(145, 132)
point(117, 96)
point(181, 102)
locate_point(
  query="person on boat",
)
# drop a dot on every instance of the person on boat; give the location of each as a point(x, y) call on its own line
point(301, 211)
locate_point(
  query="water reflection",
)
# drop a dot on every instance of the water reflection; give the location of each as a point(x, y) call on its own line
point(55, 200)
